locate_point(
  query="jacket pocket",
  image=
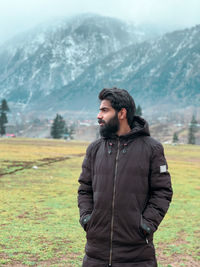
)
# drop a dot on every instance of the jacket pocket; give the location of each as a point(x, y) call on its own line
point(88, 225)
point(144, 230)
point(140, 229)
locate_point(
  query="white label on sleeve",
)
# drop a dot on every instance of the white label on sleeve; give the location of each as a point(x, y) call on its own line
point(163, 168)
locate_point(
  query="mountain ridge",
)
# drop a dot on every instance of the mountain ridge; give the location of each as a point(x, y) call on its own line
point(68, 65)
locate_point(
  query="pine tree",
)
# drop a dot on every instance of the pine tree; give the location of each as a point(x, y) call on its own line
point(175, 138)
point(138, 111)
point(58, 127)
point(4, 106)
point(192, 131)
point(3, 117)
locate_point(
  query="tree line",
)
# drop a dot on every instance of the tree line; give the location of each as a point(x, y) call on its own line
point(60, 129)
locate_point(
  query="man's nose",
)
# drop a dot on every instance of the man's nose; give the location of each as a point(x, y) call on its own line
point(99, 116)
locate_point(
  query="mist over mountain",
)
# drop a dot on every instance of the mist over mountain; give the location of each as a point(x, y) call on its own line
point(63, 66)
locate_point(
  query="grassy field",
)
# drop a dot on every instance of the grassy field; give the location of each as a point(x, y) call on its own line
point(39, 216)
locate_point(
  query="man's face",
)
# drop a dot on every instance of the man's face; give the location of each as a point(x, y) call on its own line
point(107, 119)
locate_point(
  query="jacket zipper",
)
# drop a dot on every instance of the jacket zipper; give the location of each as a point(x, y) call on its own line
point(113, 204)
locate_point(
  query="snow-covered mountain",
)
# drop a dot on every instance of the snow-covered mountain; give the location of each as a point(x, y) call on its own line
point(162, 72)
point(64, 65)
point(41, 61)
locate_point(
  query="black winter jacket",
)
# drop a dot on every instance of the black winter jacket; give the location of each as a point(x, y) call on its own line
point(125, 191)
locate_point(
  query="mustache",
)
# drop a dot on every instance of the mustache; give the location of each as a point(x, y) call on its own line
point(101, 121)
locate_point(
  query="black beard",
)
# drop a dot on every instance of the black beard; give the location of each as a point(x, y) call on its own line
point(109, 128)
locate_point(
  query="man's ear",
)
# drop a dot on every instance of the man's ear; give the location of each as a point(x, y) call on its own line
point(122, 114)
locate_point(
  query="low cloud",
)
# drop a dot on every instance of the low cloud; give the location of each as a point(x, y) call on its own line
point(19, 15)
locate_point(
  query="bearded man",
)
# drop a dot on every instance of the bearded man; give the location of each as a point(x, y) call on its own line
point(125, 187)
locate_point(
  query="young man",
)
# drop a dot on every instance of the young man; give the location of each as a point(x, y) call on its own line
point(125, 188)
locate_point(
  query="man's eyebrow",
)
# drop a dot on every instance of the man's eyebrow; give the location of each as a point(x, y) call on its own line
point(103, 108)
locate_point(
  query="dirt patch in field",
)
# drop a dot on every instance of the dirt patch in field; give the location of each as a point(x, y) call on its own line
point(175, 259)
point(61, 261)
point(49, 160)
point(19, 165)
point(10, 263)
point(35, 215)
point(22, 165)
point(16, 265)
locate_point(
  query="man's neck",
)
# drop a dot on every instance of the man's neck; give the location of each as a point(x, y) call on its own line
point(124, 130)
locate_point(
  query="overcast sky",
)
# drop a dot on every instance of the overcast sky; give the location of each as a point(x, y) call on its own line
point(19, 15)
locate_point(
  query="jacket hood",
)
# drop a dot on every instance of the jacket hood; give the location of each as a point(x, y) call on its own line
point(140, 127)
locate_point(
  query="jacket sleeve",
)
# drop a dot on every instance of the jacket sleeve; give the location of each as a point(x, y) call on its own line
point(160, 190)
point(85, 191)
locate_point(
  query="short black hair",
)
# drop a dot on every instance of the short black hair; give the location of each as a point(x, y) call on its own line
point(120, 98)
